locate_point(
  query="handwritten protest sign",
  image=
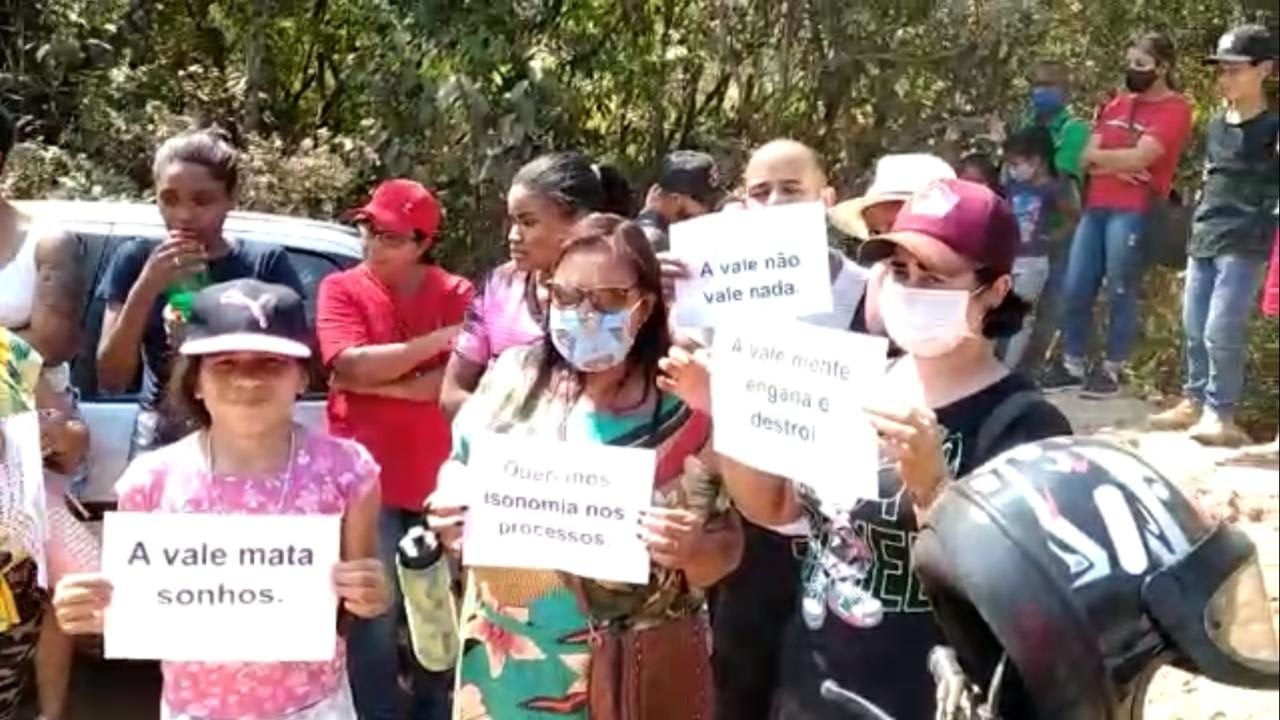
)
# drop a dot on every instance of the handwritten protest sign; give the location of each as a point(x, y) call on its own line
point(221, 588)
point(556, 506)
point(744, 264)
point(788, 399)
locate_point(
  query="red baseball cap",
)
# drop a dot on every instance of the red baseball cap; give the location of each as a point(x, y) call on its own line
point(402, 207)
point(952, 224)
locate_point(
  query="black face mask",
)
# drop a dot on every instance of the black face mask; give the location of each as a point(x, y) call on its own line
point(1139, 81)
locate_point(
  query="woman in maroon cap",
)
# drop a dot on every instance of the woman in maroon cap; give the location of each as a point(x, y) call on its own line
point(942, 409)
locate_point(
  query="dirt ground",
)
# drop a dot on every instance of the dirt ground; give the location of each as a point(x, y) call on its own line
point(1240, 487)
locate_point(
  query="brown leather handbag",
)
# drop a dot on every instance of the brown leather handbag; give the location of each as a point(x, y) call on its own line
point(658, 673)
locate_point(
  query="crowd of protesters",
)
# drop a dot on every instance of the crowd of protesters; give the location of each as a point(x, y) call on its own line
point(757, 592)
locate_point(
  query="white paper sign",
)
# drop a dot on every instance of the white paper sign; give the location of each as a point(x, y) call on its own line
point(543, 505)
point(221, 588)
point(788, 399)
point(767, 261)
point(25, 489)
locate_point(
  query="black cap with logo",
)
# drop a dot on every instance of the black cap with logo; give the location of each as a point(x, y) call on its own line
point(248, 316)
point(687, 172)
point(1245, 44)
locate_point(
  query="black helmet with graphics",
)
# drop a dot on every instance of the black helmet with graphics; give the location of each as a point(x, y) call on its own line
point(1067, 571)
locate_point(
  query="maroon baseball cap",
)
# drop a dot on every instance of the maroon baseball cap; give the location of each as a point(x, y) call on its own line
point(952, 224)
point(401, 207)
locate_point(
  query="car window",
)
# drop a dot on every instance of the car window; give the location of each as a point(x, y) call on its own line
point(98, 250)
point(312, 268)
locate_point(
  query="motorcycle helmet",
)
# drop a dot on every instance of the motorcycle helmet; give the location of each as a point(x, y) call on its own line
point(1075, 568)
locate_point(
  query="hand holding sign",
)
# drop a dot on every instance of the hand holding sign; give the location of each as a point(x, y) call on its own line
point(672, 269)
point(686, 375)
point(673, 536)
point(913, 439)
point(446, 508)
point(79, 602)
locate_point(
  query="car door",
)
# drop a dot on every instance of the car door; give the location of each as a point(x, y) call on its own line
point(109, 416)
point(312, 267)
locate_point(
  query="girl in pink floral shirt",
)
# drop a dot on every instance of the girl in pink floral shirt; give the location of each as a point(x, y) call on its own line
point(241, 371)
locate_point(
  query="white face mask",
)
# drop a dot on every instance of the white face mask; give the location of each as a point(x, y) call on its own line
point(925, 322)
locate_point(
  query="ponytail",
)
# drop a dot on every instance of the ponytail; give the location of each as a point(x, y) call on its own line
point(616, 195)
point(212, 148)
point(581, 186)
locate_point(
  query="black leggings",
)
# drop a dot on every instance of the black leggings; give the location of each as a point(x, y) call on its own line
point(750, 610)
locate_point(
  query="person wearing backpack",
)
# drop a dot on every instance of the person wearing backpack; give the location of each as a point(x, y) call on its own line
point(943, 409)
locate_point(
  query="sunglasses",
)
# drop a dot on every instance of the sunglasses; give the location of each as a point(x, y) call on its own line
point(603, 299)
point(387, 239)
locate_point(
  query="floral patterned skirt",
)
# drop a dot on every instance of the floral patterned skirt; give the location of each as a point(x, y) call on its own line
point(524, 662)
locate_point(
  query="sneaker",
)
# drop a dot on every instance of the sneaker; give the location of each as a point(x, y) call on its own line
point(1217, 431)
point(1102, 384)
point(1057, 377)
point(1178, 418)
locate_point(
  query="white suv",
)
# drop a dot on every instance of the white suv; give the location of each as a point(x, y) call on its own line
point(315, 248)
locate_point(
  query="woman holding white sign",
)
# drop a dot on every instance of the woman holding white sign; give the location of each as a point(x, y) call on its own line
point(242, 369)
point(942, 410)
point(542, 641)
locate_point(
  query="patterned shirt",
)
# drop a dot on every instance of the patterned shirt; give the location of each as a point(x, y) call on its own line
point(328, 475)
point(499, 317)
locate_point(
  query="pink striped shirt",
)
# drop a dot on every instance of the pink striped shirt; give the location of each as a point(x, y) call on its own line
point(498, 318)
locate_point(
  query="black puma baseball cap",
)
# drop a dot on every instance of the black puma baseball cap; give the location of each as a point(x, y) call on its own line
point(248, 316)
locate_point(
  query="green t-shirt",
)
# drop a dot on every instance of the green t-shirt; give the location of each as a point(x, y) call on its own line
point(1070, 136)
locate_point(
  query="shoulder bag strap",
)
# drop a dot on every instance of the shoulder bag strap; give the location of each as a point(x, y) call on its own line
point(1001, 418)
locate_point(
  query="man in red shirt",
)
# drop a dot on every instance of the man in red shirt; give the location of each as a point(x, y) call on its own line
point(1131, 157)
point(385, 328)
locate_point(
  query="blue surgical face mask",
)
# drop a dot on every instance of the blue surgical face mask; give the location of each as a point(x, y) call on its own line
point(1048, 101)
point(591, 341)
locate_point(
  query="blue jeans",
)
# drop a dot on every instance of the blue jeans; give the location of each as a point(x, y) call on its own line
point(1217, 302)
point(1106, 246)
point(1030, 276)
point(373, 648)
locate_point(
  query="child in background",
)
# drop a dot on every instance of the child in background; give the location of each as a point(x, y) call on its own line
point(1036, 194)
point(243, 366)
point(978, 167)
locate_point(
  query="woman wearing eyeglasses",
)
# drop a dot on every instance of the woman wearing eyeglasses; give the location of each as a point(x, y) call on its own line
point(385, 328)
point(535, 640)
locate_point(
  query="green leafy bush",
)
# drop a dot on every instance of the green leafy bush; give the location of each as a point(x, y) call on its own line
point(328, 97)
